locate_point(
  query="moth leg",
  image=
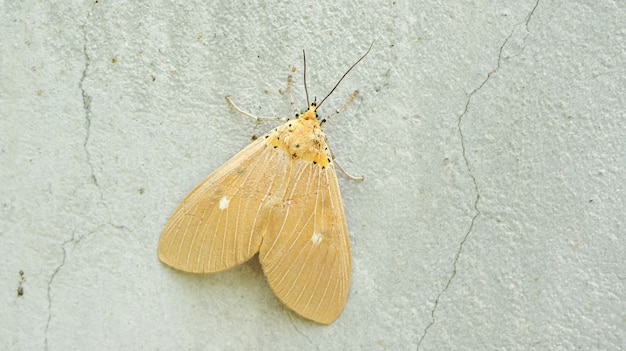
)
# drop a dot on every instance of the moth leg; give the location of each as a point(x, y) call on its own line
point(290, 92)
point(332, 155)
point(358, 179)
point(337, 111)
point(257, 119)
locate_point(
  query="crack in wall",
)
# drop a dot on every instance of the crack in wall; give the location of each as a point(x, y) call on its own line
point(87, 103)
point(74, 241)
point(50, 281)
point(304, 335)
point(87, 111)
point(87, 99)
point(469, 170)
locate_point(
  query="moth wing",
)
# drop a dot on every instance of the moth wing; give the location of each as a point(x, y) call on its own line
point(305, 253)
point(220, 223)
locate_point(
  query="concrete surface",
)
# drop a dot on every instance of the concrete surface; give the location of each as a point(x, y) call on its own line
point(491, 135)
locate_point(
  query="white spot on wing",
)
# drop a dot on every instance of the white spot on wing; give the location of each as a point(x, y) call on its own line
point(317, 238)
point(224, 203)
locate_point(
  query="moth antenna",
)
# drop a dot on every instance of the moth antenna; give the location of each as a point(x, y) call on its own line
point(306, 91)
point(345, 74)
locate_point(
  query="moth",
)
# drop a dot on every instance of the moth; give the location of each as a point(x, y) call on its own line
point(278, 197)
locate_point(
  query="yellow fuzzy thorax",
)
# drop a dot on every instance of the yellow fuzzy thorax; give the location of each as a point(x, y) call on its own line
point(302, 138)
